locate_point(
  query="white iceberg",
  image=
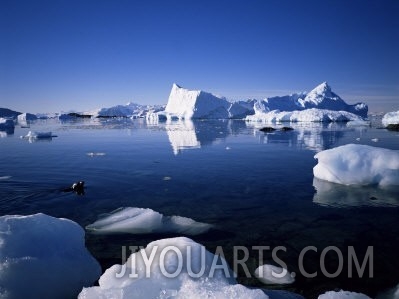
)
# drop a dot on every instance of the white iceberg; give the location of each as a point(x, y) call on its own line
point(356, 164)
point(131, 110)
point(188, 104)
point(179, 268)
point(343, 295)
point(24, 117)
point(43, 257)
point(269, 274)
point(6, 124)
point(308, 115)
point(391, 118)
point(143, 221)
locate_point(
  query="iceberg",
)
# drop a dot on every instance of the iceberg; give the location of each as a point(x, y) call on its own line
point(179, 268)
point(144, 221)
point(6, 124)
point(308, 115)
point(197, 104)
point(131, 110)
point(269, 274)
point(44, 257)
point(24, 117)
point(356, 164)
point(390, 118)
point(342, 295)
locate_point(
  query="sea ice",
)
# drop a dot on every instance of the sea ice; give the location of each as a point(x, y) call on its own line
point(269, 274)
point(43, 257)
point(343, 295)
point(143, 221)
point(193, 270)
point(391, 118)
point(356, 164)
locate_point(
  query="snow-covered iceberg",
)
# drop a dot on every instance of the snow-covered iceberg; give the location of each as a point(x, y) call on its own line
point(131, 110)
point(390, 118)
point(269, 274)
point(143, 221)
point(6, 124)
point(192, 104)
point(25, 117)
point(43, 257)
point(308, 115)
point(341, 196)
point(189, 104)
point(342, 295)
point(356, 164)
point(180, 268)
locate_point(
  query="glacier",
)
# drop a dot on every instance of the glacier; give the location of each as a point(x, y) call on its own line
point(44, 257)
point(357, 164)
point(391, 118)
point(195, 275)
point(144, 221)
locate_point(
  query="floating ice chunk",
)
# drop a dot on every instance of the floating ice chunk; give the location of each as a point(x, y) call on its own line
point(356, 164)
point(374, 140)
point(94, 154)
point(193, 270)
point(270, 274)
point(308, 115)
point(343, 295)
point(144, 221)
point(24, 117)
point(43, 257)
point(391, 118)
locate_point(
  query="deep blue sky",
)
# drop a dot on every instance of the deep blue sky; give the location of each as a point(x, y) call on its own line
point(60, 55)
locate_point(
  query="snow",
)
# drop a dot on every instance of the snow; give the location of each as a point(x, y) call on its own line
point(356, 164)
point(195, 275)
point(143, 221)
point(308, 115)
point(269, 274)
point(6, 124)
point(391, 118)
point(343, 295)
point(43, 257)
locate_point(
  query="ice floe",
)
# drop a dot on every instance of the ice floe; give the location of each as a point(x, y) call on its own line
point(43, 257)
point(356, 164)
point(390, 118)
point(143, 221)
point(39, 135)
point(180, 268)
point(269, 274)
point(343, 295)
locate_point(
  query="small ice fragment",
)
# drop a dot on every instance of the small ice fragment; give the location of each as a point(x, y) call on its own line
point(374, 140)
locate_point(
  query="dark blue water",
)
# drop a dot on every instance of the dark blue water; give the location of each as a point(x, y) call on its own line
point(257, 189)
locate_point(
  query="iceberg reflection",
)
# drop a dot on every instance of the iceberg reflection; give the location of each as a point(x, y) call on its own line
point(187, 134)
point(342, 196)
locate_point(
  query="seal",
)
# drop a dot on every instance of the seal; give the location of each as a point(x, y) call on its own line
point(78, 188)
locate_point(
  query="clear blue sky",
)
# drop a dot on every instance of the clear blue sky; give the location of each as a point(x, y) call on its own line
point(59, 55)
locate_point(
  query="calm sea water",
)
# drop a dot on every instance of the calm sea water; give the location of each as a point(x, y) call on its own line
point(257, 189)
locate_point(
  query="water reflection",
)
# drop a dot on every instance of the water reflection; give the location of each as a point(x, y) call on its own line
point(313, 136)
point(342, 196)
